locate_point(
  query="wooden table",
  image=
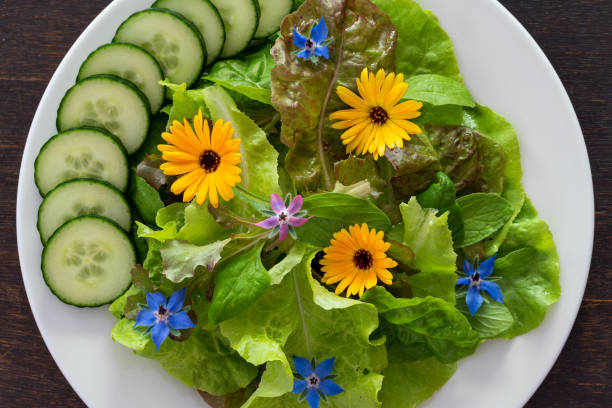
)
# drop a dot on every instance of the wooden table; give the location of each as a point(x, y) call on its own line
point(36, 34)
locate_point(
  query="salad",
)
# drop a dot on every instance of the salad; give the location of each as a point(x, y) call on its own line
point(291, 203)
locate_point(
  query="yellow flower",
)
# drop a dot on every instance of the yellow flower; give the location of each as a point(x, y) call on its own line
point(376, 120)
point(207, 159)
point(357, 260)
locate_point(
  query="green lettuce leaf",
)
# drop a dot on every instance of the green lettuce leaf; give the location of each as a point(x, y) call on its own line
point(300, 317)
point(441, 196)
point(430, 323)
point(259, 158)
point(239, 281)
point(145, 198)
point(438, 90)
point(180, 259)
point(491, 320)
point(304, 92)
point(528, 272)
point(483, 214)
point(248, 75)
point(423, 47)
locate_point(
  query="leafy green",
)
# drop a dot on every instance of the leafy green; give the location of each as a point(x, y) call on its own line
point(248, 75)
point(441, 196)
point(299, 317)
point(304, 91)
point(239, 281)
point(408, 383)
point(528, 272)
point(438, 90)
point(491, 320)
point(334, 211)
point(294, 257)
point(180, 259)
point(429, 322)
point(185, 103)
point(145, 198)
point(423, 47)
point(259, 158)
point(483, 214)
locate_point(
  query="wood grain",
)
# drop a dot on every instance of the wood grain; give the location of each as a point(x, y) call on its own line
point(575, 35)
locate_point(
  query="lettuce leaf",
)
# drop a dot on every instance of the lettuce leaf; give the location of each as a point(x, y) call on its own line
point(300, 317)
point(304, 92)
point(442, 196)
point(180, 259)
point(438, 90)
point(423, 47)
point(248, 75)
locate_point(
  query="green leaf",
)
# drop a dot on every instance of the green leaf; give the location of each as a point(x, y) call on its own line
point(259, 158)
point(239, 281)
point(334, 211)
point(438, 90)
point(125, 334)
point(180, 259)
point(145, 198)
point(304, 92)
point(200, 227)
point(433, 283)
point(185, 103)
point(431, 322)
point(483, 214)
point(423, 47)
point(491, 320)
point(248, 75)
point(441, 196)
point(429, 238)
point(294, 257)
point(408, 383)
point(528, 272)
point(300, 317)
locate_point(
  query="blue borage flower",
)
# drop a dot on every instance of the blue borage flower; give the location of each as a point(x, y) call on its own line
point(476, 282)
point(315, 383)
point(164, 317)
point(315, 45)
point(284, 216)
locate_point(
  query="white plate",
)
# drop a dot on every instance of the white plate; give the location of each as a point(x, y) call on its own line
point(506, 70)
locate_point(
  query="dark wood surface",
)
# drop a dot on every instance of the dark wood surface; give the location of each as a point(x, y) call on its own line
point(575, 35)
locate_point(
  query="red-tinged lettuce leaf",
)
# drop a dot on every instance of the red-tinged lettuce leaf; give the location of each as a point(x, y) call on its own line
point(304, 92)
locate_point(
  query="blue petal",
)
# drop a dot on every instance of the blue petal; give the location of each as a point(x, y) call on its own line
point(485, 269)
point(473, 299)
point(298, 386)
point(322, 51)
point(146, 318)
point(180, 321)
point(492, 289)
point(306, 54)
point(159, 333)
point(313, 398)
point(302, 366)
point(319, 32)
point(176, 301)
point(325, 368)
point(463, 281)
point(329, 387)
point(155, 300)
point(298, 39)
point(468, 268)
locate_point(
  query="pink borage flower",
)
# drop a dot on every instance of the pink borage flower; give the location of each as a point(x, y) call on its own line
point(284, 216)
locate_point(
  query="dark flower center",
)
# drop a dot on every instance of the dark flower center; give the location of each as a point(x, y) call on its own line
point(378, 115)
point(363, 259)
point(310, 45)
point(209, 161)
point(162, 313)
point(476, 277)
point(313, 381)
point(282, 216)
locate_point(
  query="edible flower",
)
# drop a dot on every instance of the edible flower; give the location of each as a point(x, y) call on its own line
point(357, 259)
point(376, 120)
point(208, 160)
point(164, 317)
point(314, 383)
point(315, 45)
point(284, 217)
point(476, 282)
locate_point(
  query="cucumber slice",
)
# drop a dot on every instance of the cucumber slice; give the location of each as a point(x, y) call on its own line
point(79, 197)
point(130, 62)
point(170, 38)
point(87, 262)
point(81, 153)
point(272, 13)
point(240, 19)
point(205, 17)
point(108, 102)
